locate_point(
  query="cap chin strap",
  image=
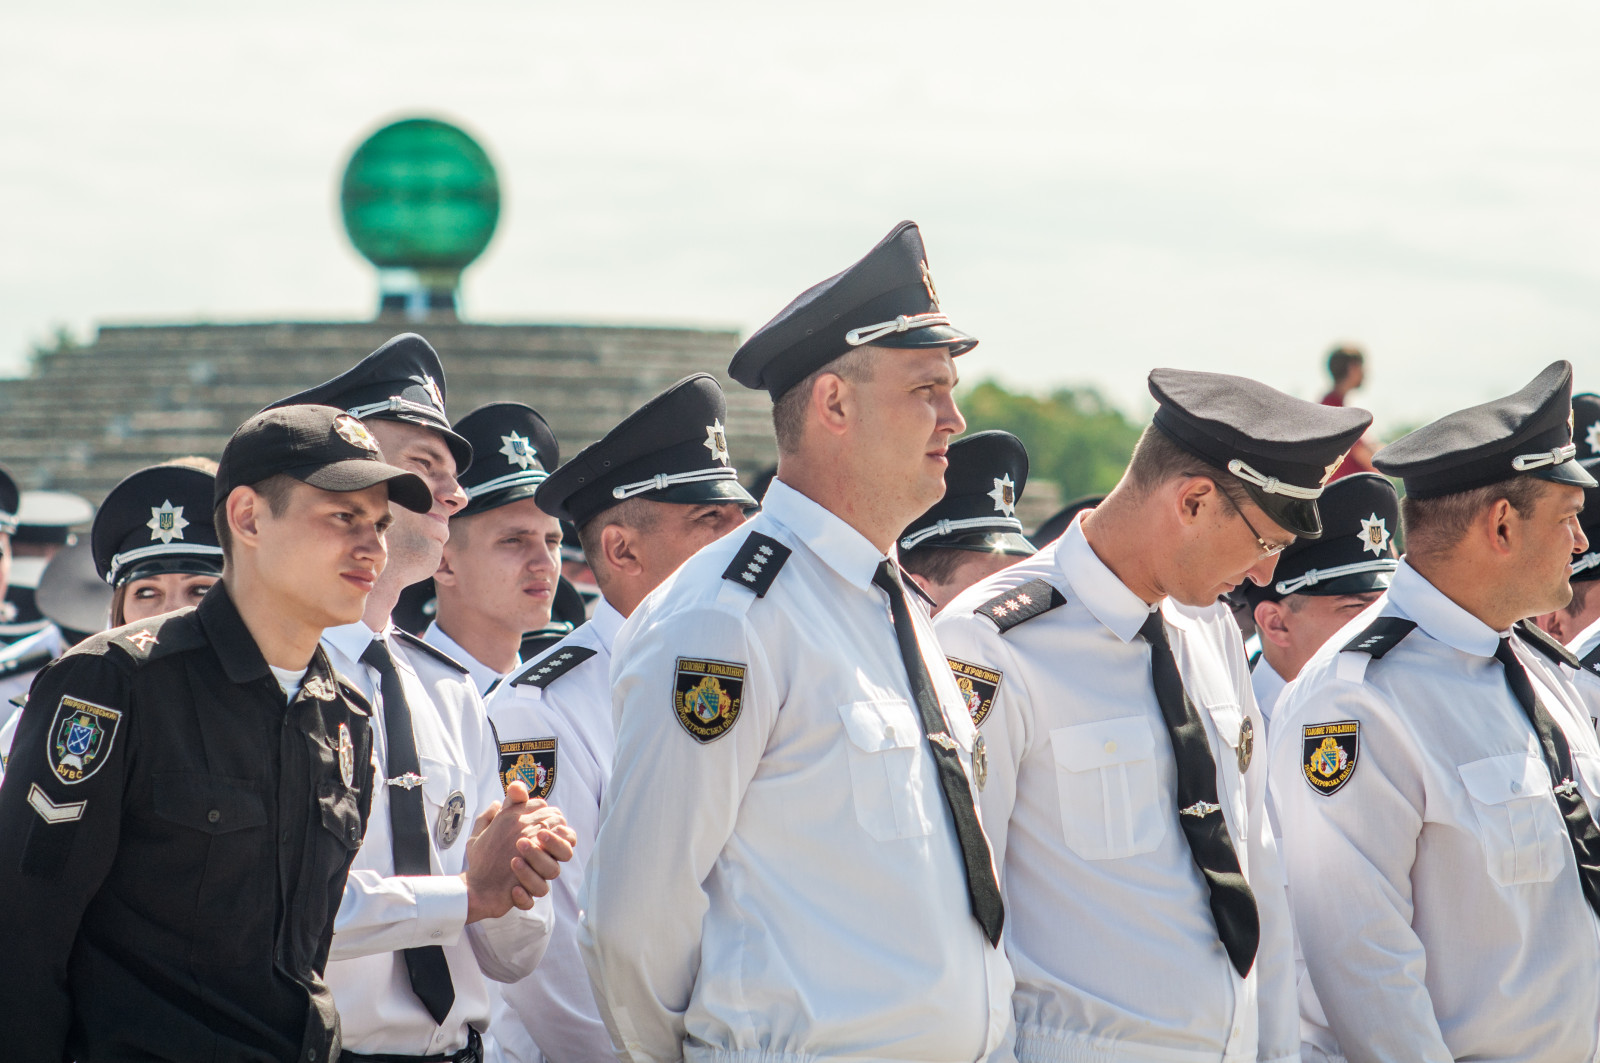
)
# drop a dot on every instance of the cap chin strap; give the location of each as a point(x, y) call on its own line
point(500, 483)
point(662, 481)
point(8, 523)
point(1271, 484)
point(394, 404)
point(128, 557)
point(945, 527)
point(856, 337)
point(1312, 577)
point(1558, 456)
point(1586, 561)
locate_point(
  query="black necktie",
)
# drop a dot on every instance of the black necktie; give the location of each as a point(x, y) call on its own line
point(1233, 906)
point(1558, 759)
point(430, 972)
point(982, 890)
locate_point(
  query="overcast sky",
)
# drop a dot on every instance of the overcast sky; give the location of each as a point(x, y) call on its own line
point(1102, 187)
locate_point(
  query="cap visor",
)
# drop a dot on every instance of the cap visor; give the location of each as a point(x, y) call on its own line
point(1010, 544)
point(358, 474)
point(1298, 516)
point(705, 492)
point(496, 499)
point(1568, 472)
point(931, 336)
point(1355, 583)
point(460, 449)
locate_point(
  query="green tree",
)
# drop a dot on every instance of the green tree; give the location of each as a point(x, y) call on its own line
point(1074, 437)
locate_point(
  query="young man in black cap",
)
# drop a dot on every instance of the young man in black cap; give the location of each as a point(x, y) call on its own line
point(790, 822)
point(413, 949)
point(554, 718)
point(1124, 797)
point(498, 576)
point(186, 793)
point(1322, 584)
point(1435, 775)
point(973, 531)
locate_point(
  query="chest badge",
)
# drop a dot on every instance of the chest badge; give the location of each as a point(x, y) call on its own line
point(1247, 744)
point(347, 756)
point(980, 762)
point(452, 817)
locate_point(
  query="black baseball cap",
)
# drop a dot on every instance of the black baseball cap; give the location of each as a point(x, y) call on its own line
point(317, 445)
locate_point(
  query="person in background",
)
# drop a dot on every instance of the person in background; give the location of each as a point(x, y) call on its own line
point(1576, 625)
point(497, 578)
point(973, 531)
point(554, 718)
point(1347, 366)
point(1052, 527)
point(28, 639)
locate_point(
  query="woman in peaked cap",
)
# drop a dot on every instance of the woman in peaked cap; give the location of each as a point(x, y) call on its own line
point(154, 543)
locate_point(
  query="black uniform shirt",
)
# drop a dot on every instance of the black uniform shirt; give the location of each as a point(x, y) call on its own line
point(174, 840)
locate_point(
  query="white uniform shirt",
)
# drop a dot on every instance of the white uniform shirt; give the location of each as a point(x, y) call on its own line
point(484, 678)
point(552, 1011)
point(1268, 686)
point(1435, 890)
point(793, 889)
point(381, 912)
point(1109, 922)
point(46, 640)
point(1582, 646)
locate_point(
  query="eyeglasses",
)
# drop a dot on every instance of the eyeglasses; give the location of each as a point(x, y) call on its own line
point(1267, 549)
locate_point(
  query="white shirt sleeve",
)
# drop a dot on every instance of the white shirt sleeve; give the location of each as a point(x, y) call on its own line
point(645, 880)
point(387, 913)
point(1349, 857)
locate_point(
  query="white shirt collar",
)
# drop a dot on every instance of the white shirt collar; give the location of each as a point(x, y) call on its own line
point(482, 675)
point(1414, 598)
point(352, 640)
point(606, 622)
point(840, 546)
point(1106, 597)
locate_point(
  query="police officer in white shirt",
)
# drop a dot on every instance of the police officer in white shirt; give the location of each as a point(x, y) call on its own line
point(1576, 625)
point(554, 717)
point(450, 886)
point(1125, 799)
point(790, 863)
point(497, 579)
point(1435, 772)
point(1321, 584)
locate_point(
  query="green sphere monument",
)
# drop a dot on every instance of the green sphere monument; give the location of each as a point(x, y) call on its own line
point(420, 201)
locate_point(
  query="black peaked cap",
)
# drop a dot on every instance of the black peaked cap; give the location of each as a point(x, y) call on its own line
point(50, 516)
point(1283, 450)
point(1058, 522)
point(514, 451)
point(1586, 426)
point(401, 381)
point(982, 485)
point(671, 449)
point(1586, 436)
point(1357, 553)
point(157, 520)
point(317, 445)
point(887, 299)
point(1527, 432)
point(10, 502)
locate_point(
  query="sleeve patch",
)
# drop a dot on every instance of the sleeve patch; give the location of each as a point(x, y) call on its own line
point(50, 812)
point(977, 685)
point(79, 738)
point(707, 696)
point(1329, 754)
point(531, 762)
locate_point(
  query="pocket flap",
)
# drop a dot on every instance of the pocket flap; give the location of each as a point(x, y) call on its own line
point(1087, 746)
point(1496, 780)
point(209, 803)
point(1228, 719)
point(439, 779)
point(875, 726)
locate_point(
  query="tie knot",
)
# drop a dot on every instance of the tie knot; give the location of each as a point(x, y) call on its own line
point(887, 578)
point(377, 656)
point(1153, 629)
point(1503, 653)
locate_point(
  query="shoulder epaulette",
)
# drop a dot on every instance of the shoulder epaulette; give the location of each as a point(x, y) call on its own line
point(430, 649)
point(1255, 659)
point(757, 563)
point(1533, 636)
point(1381, 636)
point(547, 670)
point(20, 701)
point(157, 637)
point(28, 662)
point(1021, 603)
point(1590, 662)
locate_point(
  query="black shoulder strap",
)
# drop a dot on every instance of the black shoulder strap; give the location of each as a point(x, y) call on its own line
point(757, 563)
point(1031, 599)
point(1590, 661)
point(1533, 636)
point(1255, 659)
point(1381, 636)
point(431, 650)
point(548, 669)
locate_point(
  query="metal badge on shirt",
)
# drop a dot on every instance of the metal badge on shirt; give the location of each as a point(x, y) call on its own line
point(1247, 744)
point(452, 817)
point(532, 762)
point(1330, 751)
point(79, 738)
point(707, 696)
point(977, 685)
point(347, 756)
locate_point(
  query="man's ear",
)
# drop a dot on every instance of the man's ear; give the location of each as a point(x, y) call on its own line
point(1502, 524)
point(446, 576)
point(244, 510)
point(1191, 495)
point(1271, 620)
point(832, 401)
point(618, 548)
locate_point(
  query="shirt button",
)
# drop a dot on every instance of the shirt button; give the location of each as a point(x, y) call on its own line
point(213, 816)
point(286, 837)
point(1111, 747)
point(1516, 787)
point(311, 1054)
point(437, 934)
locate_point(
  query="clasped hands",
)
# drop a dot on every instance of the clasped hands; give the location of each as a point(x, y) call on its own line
point(516, 847)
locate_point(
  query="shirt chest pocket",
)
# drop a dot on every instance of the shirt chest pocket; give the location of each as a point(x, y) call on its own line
point(444, 808)
point(1110, 795)
point(1519, 825)
point(886, 781)
point(223, 821)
